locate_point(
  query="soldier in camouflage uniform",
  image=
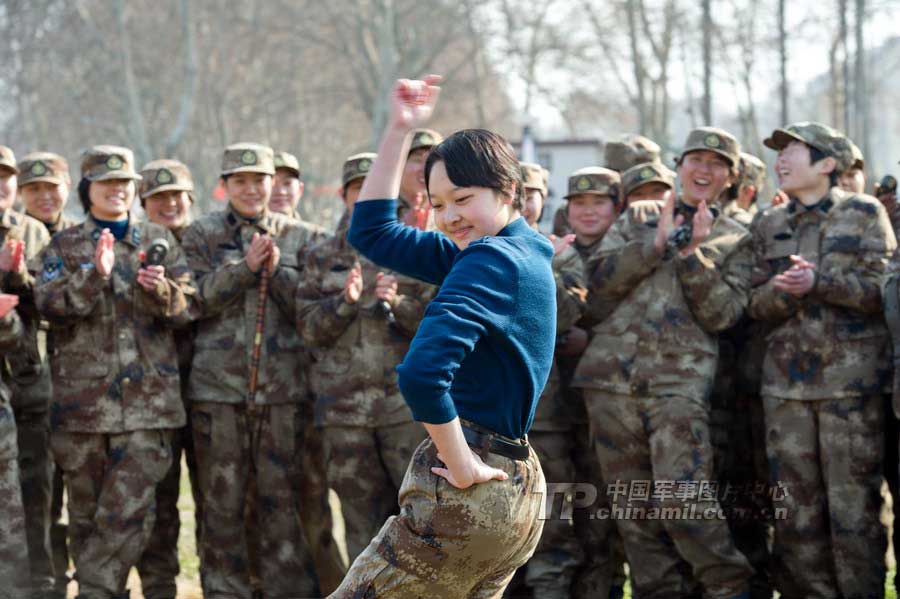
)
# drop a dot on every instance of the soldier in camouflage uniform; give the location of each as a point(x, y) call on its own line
point(593, 203)
point(742, 205)
point(819, 265)
point(28, 377)
point(287, 187)
point(44, 185)
point(166, 197)
point(115, 377)
point(312, 489)
point(550, 571)
point(357, 340)
point(13, 542)
point(243, 439)
point(618, 155)
point(647, 181)
point(412, 182)
point(853, 179)
point(737, 426)
point(670, 275)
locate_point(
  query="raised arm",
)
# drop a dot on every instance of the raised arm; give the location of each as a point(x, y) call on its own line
point(374, 229)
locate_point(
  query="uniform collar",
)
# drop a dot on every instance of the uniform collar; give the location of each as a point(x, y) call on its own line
point(517, 227)
point(262, 222)
point(10, 219)
point(797, 207)
point(132, 232)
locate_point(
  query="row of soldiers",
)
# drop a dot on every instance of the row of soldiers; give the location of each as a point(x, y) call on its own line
point(136, 343)
point(264, 350)
point(727, 358)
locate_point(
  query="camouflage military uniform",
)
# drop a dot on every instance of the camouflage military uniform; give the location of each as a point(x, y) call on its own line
point(239, 444)
point(117, 392)
point(551, 569)
point(646, 377)
point(158, 566)
point(355, 349)
point(58, 528)
point(28, 378)
point(737, 425)
point(825, 367)
point(421, 553)
point(421, 138)
point(13, 542)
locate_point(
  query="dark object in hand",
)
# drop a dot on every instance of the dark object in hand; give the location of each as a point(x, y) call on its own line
point(888, 185)
point(681, 236)
point(156, 253)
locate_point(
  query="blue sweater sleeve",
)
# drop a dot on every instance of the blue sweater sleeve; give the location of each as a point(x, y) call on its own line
point(477, 297)
point(375, 232)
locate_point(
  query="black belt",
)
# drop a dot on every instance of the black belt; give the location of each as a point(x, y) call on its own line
point(495, 444)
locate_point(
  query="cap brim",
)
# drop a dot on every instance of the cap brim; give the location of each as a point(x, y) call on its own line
point(43, 179)
point(162, 188)
point(780, 139)
point(721, 153)
point(249, 169)
point(288, 168)
point(352, 179)
point(116, 175)
point(587, 192)
point(651, 180)
point(12, 167)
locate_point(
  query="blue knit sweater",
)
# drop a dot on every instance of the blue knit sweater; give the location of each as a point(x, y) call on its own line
point(484, 349)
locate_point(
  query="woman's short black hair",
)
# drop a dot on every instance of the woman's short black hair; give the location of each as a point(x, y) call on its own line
point(478, 158)
point(815, 155)
point(84, 195)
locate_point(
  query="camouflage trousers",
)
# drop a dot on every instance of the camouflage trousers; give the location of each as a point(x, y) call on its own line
point(159, 565)
point(449, 542)
point(602, 572)
point(656, 442)
point(111, 481)
point(13, 542)
point(35, 472)
point(59, 534)
point(314, 507)
point(236, 451)
point(551, 569)
point(827, 457)
point(738, 432)
point(365, 467)
point(892, 472)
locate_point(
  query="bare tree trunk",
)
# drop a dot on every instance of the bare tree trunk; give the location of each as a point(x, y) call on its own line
point(845, 67)
point(707, 61)
point(862, 96)
point(189, 91)
point(638, 64)
point(835, 80)
point(782, 59)
point(136, 115)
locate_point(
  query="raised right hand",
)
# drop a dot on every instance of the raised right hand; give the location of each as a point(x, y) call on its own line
point(667, 223)
point(7, 303)
point(353, 285)
point(104, 256)
point(413, 101)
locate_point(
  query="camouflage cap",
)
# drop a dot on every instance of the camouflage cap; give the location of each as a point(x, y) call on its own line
point(859, 161)
point(648, 172)
point(8, 159)
point(357, 166)
point(752, 171)
point(594, 180)
point(286, 161)
point(43, 166)
point(628, 151)
point(713, 139)
point(165, 175)
point(533, 176)
point(816, 135)
point(246, 157)
point(425, 138)
point(101, 163)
